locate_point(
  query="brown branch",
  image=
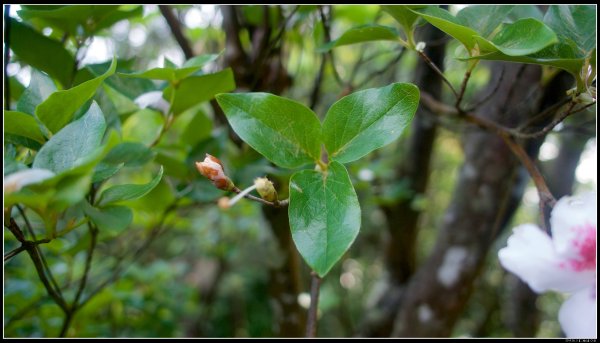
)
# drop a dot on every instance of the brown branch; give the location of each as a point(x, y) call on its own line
point(383, 70)
point(175, 27)
point(562, 116)
point(463, 86)
point(278, 203)
point(326, 31)
point(438, 71)
point(88, 263)
point(311, 323)
point(489, 95)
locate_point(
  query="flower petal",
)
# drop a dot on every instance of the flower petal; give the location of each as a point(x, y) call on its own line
point(531, 256)
point(573, 222)
point(577, 315)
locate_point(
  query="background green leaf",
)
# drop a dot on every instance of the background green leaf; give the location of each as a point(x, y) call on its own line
point(41, 52)
point(22, 124)
point(366, 120)
point(110, 220)
point(73, 143)
point(58, 110)
point(284, 131)
point(324, 215)
point(39, 89)
point(574, 24)
point(127, 192)
point(364, 33)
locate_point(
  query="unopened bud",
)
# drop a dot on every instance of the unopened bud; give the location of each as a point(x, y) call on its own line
point(212, 169)
point(265, 188)
point(420, 46)
point(223, 203)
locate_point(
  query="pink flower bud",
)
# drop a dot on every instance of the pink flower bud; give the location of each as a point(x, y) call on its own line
point(212, 169)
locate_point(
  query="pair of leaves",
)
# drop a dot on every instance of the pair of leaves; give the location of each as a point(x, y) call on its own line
point(324, 212)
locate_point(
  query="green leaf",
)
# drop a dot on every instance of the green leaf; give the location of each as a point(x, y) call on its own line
point(448, 23)
point(523, 37)
point(58, 110)
point(110, 220)
point(71, 145)
point(284, 131)
point(367, 120)
point(201, 60)
point(196, 89)
point(130, 154)
point(364, 33)
point(40, 88)
point(574, 24)
point(525, 11)
point(198, 128)
point(403, 15)
point(128, 192)
point(22, 124)
point(484, 19)
point(104, 171)
point(171, 73)
point(143, 126)
point(41, 52)
point(324, 215)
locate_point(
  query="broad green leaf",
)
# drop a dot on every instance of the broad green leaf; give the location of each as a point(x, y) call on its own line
point(170, 72)
point(284, 131)
point(574, 24)
point(127, 192)
point(22, 124)
point(403, 15)
point(91, 18)
point(71, 145)
point(58, 110)
point(41, 52)
point(196, 89)
point(104, 171)
point(167, 74)
point(324, 215)
point(364, 33)
point(484, 19)
point(191, 127)
point(200, 61)
point(143, 126)
point(131, 154)
point(129, 87)
point(367, 120)
point(523, 37)
point(40, 88)
point(525, 11)
point(18, 140)
point(448, 23)
point(110, 220)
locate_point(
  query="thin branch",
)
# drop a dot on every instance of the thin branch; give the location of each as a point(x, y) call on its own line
point(325, 22)
point(278, 203)
point(383, 70)
point(88, 263)
point(316, 91)
point(489, 95)
point(175, 27)
point(438, 71)
point(542, 115)
point(463, 86)
point(311, 323)
point(23, 247)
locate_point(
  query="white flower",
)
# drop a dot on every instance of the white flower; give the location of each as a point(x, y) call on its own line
point(153, 100)
point(565, 262)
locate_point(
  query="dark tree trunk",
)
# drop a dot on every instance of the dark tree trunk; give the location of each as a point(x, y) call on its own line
point(400, 253)
point(490, 180)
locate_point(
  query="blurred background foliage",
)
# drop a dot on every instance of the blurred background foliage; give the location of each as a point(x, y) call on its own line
point(206, 272)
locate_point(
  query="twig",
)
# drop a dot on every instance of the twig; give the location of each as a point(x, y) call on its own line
point(316, 91)
point(311, 323)
point(278, 203)
point(382, 70)
point(88, 263)
point(325, 22)
point(542, 115)
point(23, 247)
point(488, 96)
point(463, 86)
point(438, 71)
point(6, 56)
point(175, 27)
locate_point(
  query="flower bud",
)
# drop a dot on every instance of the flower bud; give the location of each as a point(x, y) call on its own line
point(265, 188)
point(212, 169)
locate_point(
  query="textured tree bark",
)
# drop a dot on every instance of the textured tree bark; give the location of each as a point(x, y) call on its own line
point(490, 180)
point(400, 253)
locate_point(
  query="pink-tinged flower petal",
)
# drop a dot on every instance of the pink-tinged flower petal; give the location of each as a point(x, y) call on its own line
point(573, 223)
point(530, 255)
point(578, 315)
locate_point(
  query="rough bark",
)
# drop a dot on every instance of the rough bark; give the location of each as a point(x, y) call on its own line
point(490, 179)
point(402, 218)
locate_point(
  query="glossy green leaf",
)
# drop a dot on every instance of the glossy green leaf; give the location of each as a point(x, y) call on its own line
point(196, 89)
point(574, 25)
point(196, 129)
point(143, 126)
point(525, 11)
point(58, 110)
point(403, 15)
point(324, 215)
point(22, 124)
point(170, 72)
point(367, 120)
point(484, 19)
point(110, 220)
point(127, 192)
point(131, 154)
point(284, 131)
point(73, 143)
point(448, 23)
point(364, 33)
point(41, 52)
point(523, 37)
point(40, 88)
